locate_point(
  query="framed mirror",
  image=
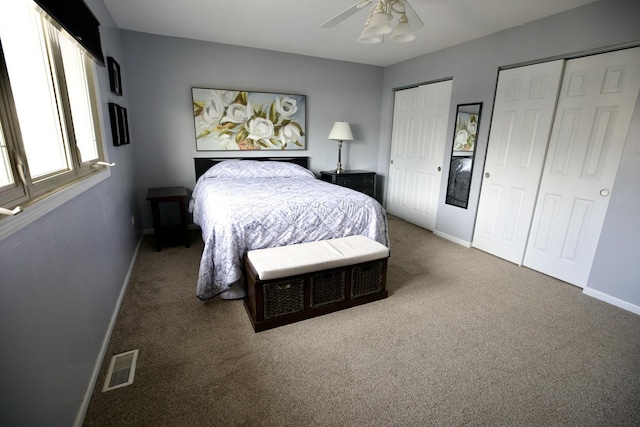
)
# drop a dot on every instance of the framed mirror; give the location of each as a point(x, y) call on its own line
point(465, 135)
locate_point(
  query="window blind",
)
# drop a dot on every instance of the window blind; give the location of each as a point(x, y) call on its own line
point(78, 20)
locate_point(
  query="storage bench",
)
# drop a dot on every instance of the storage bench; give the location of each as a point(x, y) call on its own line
point(287, 284)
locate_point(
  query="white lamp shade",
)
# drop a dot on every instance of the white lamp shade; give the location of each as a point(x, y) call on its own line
point(366, 38)
point(402, 32)
point(341, 131)
point(379, 24)
point(401, 36)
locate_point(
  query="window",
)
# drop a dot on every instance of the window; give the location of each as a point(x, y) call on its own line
point(49, 123)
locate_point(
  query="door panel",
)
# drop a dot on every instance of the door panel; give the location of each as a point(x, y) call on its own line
point(520, 128)
point(417, 150)
point(594, 111)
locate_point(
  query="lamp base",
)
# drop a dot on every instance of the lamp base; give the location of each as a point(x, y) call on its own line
point(339, 168)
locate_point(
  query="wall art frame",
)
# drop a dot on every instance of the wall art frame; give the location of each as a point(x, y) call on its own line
point(244, 120)
point(119, 124)
point(115, 79)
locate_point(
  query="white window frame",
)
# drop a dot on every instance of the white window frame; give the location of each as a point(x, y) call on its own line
point(34, 198)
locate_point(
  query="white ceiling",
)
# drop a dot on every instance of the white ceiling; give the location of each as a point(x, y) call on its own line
point(294, 25)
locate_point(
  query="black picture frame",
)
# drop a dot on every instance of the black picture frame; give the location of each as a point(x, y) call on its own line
point(123, 124)
point(119, 124)
point(115, 128)
point(465, 136)
point(115, 80)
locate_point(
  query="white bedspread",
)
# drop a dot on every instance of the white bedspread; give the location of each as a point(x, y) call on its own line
point(240, 211)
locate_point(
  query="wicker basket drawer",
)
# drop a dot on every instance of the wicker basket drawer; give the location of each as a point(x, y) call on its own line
point(327, 287)
point(367, 278)
point(283, 297)
point(309, 291)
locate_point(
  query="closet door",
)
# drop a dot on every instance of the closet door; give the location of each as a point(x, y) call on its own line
point(417, 149)
point(592, 121)
point(522, 117)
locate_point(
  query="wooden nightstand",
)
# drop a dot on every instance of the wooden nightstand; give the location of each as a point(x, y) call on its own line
point(359, 180)
point(168, 194)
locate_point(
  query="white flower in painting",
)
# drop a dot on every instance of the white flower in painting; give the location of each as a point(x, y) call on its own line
point(286, 107)
point(260, 128)
point(227, 143)
point(213, 109)
point(237, 113)
point(462, 137)
point(289, 133)
point(227, 96)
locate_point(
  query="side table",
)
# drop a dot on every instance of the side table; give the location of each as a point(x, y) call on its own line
point(163, 195)
point(359, 180)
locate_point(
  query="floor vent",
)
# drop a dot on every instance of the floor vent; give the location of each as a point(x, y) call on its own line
point(121, 370)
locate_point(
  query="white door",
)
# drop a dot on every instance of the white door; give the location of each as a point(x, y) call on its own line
point(522, 118)
point(592, 121)
point(420, 118)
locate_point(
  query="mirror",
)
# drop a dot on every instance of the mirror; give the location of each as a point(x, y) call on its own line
point(464, 144)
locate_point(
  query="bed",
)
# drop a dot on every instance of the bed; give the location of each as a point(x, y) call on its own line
point(246, 204)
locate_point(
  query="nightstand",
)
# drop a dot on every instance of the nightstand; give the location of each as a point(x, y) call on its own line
point(359, 180)
point(164, 195)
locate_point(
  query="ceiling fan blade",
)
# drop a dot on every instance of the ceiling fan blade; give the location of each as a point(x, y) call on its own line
point(345, 14)
point(414, 20)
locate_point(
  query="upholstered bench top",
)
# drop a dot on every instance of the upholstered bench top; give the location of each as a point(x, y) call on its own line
point(292, 260)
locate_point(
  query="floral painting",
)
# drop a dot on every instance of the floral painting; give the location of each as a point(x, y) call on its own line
point(240, 120)
point(466, 132)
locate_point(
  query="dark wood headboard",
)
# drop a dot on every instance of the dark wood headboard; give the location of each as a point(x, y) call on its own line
point(202, 164)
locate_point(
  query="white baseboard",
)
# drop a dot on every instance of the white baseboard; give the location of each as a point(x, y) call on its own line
point(82, 412)
point(611, 300)
point(452, 238)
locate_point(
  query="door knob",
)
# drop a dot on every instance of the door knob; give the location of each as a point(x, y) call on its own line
point(487, 175)
point(391, 161)
point(439, 168)
point(604, 192)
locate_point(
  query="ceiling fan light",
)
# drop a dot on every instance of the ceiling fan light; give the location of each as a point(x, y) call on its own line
point(366, 38)
point(402, 32)
point(378, 24)
point(402, 38)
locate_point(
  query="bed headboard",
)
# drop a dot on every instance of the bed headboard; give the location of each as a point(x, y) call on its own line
point(202, 164)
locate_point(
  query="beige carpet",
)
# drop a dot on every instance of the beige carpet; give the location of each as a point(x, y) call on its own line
point(463, 339)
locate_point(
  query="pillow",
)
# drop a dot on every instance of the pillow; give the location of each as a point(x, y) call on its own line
point(256, 169)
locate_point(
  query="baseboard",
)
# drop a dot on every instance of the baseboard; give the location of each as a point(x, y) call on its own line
point(611, 300)
point(82, 412)
point(452, 238)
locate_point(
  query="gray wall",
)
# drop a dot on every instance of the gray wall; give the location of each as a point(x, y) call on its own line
point(162, 70)
point(60, 279)
point(474, 69)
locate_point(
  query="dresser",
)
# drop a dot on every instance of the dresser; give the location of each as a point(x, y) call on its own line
point(359, 180)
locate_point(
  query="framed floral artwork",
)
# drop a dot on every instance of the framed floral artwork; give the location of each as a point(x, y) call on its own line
point(241, 120)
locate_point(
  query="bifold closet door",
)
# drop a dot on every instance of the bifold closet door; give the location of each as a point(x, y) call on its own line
point(417, 149)
point(593, 115)
point(522, 118)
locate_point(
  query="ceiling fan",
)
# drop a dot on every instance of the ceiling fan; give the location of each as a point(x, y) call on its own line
point(379, 21)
